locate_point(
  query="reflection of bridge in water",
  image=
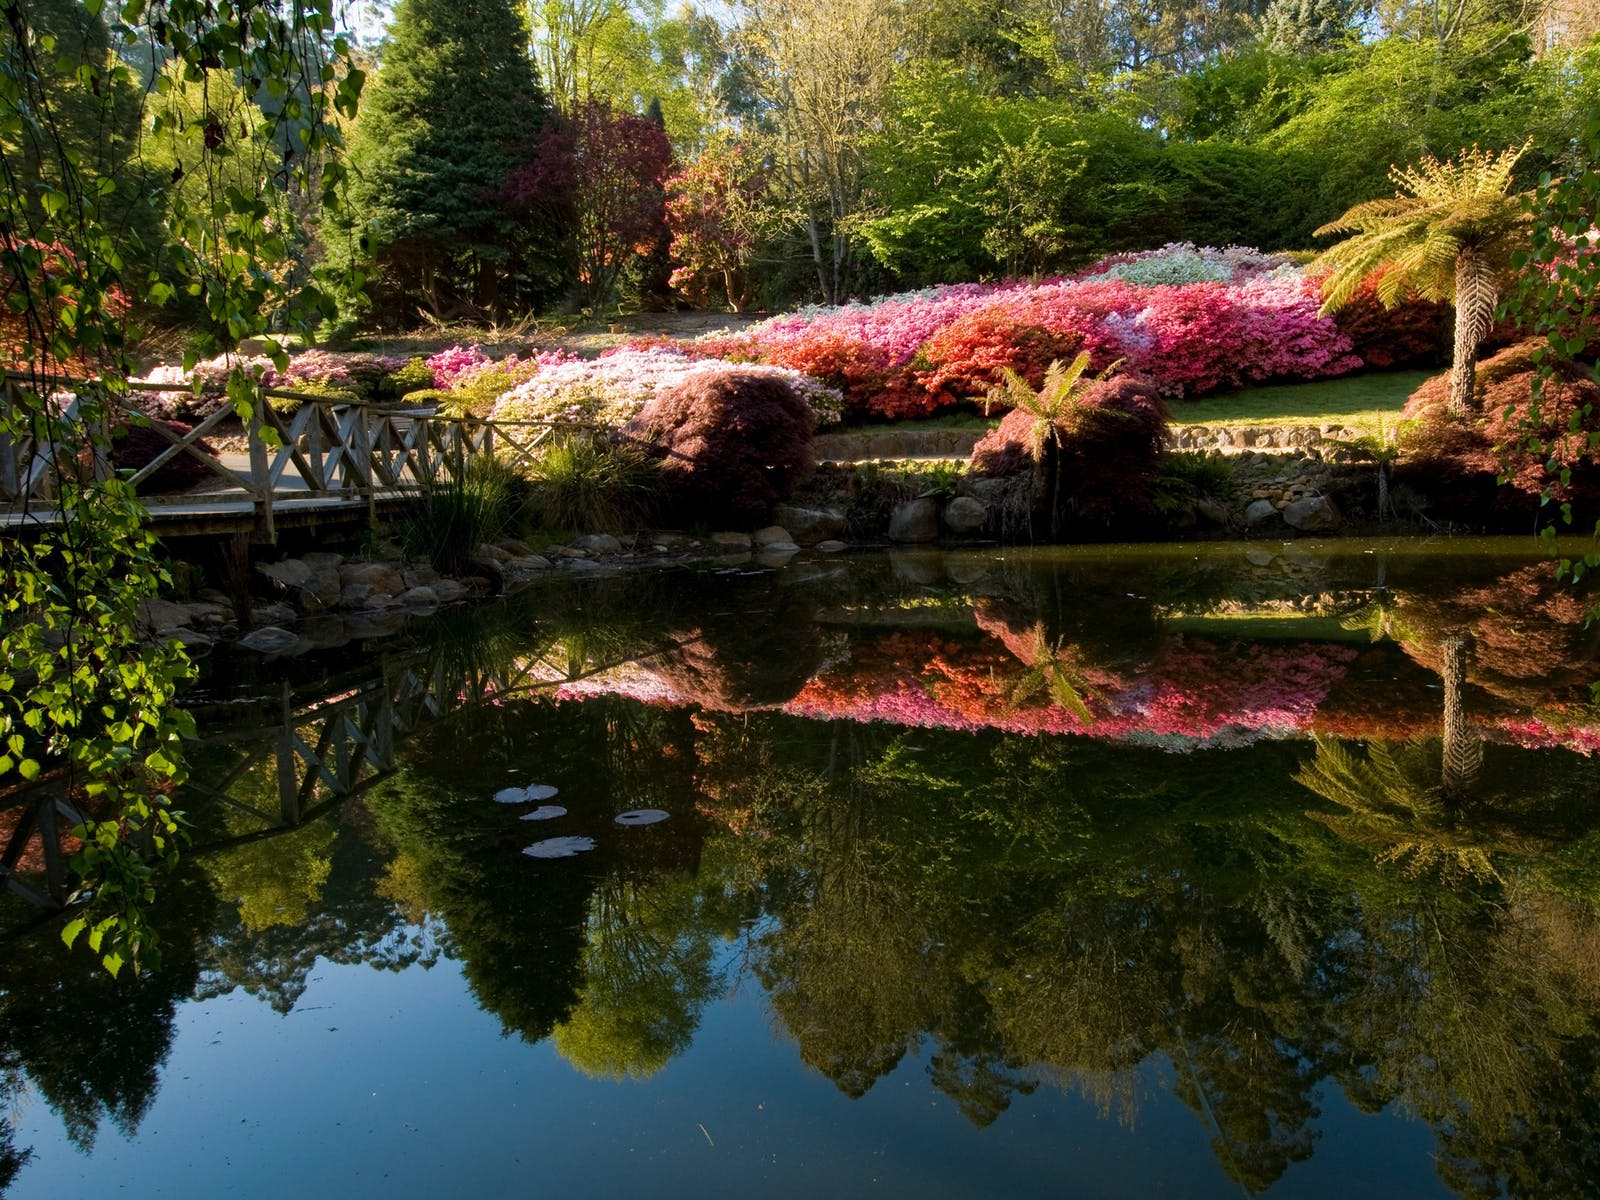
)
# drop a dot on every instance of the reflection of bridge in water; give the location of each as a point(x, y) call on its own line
point(318, 744)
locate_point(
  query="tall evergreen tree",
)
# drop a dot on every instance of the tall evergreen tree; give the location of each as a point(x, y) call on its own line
point(455, 107)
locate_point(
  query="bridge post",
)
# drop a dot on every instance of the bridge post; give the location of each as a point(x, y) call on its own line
point(261, 477)
point(288, 776)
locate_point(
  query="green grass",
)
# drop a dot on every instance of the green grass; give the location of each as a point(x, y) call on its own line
point(1364, 402)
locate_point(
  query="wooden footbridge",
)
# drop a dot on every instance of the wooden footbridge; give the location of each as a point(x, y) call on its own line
point(287, 755)
point(320, 460)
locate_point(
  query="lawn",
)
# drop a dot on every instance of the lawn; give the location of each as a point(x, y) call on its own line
point(1366, 402)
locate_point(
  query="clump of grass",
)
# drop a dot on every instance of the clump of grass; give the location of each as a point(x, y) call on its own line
point(453, 517)
point(587, 482)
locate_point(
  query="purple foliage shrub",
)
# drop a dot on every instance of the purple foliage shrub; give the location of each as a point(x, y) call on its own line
point(732, 443)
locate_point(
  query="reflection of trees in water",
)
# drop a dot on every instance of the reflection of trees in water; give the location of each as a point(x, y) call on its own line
point(91, 1046)
point(928, 893)
point(647, 974)
point(520, 927)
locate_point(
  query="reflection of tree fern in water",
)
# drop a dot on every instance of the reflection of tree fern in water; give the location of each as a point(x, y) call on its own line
point(1395, 803)
point(1052, 671)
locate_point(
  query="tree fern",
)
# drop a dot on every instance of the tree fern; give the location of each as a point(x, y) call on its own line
point(1445, 236)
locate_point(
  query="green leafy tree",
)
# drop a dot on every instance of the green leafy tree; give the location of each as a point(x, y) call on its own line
point(454, 108)
point(1447, 234)
point(81, 696)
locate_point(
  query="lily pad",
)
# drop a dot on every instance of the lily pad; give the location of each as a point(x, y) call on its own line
point(559, 847)
point(545, 812)
point(641, 816)
point(511, 795)
point(540, 791)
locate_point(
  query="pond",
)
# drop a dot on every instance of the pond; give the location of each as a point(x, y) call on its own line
point(1113, 872)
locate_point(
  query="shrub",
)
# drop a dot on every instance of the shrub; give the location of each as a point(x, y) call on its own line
point(134, 446)
point(586, 481)
point(1415, 332)
point(1110, 443)
point(970, 355)
point(1462, 464)
point(402, 381)
point(612, 389)
point(450, 519)
point(361, 375)
point(732, 442)
point(479, 393)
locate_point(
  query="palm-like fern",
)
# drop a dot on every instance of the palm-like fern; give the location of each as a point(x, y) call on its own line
point(1445, 235)
point(1063, 388)
point(1393, 804)
point(1052, 672)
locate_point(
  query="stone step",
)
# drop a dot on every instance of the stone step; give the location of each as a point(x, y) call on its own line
point(909, 443)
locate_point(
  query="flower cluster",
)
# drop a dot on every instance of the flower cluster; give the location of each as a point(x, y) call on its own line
point(1178, 263)
point(611, 390)
point(1193, 319)
point(347, 372)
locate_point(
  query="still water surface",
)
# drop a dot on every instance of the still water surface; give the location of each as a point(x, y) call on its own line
point(1098, 873)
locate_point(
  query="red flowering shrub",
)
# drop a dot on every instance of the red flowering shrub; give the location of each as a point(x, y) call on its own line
point(1460, 463)
point(969, 356)
point(1110, 444)
point(135, 446)
point(732, 443)
point(1413, 333)
point(857, 368)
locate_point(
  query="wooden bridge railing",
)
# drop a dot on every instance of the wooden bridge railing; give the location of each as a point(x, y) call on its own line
point(285, 759)
point(323, 449)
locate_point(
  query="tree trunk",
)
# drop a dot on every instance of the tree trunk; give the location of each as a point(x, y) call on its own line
point(737, 284)
point(1463, 753)
point(1475, 300)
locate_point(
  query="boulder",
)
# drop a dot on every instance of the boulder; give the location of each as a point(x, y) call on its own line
point(275, 614)
point(965, 515)
point(731, 540)
point(419, 597)
point(1208, 508)
point(832, 546)
point(526, 564)
point(515, 547)
point(319, 592)
point(772, 535)
point(162, 618)
point(449, 591)
point(375, 576)
point(1259, 511)
point(598, 543)
point(915, 521)
point(288, 573)
point(269, 639)
point(807, 526)
point(489, 553)
point(418, 576)
point(1314, 514)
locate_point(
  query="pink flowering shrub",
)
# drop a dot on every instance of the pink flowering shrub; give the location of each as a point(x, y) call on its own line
point(448, 366)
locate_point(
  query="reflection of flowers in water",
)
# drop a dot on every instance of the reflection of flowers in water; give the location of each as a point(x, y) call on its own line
point(1538, 733)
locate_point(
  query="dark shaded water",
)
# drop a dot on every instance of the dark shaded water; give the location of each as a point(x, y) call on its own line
point(1112, 873)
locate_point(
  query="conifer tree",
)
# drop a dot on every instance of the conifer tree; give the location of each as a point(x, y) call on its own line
point(455, 106)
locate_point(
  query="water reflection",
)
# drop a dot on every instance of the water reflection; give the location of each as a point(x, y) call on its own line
point(1283, 826)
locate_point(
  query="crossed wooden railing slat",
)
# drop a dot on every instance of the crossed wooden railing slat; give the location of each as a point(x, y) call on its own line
point(325, 448)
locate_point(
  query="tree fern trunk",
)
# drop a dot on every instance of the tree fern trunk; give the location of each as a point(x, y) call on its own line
point(1475, 300)
point(1463, 753)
